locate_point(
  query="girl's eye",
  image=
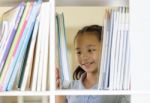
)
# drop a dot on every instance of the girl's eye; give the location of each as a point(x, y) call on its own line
point(78, 52)
point(91, 50)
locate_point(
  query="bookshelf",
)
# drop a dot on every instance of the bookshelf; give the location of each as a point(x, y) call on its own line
point(6, 5)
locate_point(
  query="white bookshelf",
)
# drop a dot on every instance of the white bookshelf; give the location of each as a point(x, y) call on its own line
point(92, 2)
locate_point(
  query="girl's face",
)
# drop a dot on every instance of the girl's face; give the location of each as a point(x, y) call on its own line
point(88, 51)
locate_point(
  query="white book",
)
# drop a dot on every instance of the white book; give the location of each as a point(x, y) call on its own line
point(28, 66)
point(109, 45)
point(105, 69)
point(119, 49)
point(46, 14)
point(37, 59)
point(122, 55)
point(124, 49)
point(110, 26)
point(51, 46)
point(127, 58)
point(113, 50)
point(42, 48)
point(103, 57)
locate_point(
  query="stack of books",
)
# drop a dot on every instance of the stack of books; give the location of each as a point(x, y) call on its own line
point(24, 47)
point(115, 61)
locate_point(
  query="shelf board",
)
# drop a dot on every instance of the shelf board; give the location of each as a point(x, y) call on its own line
point(92, 2)
point(25, 93)
point(8, 3)
point(12, 2)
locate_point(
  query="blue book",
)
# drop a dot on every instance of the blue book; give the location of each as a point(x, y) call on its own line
point(27, 33)
point(63, 52)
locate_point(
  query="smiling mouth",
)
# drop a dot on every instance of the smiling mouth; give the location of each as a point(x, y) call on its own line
point(87, 64)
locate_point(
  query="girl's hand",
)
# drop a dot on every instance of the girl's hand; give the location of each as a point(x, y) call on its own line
point(60, 99)
point(58, 80)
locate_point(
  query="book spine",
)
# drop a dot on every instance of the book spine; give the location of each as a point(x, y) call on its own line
point(46, 32)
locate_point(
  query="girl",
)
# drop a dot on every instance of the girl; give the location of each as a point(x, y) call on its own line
point(87, 46)
point(88, 50)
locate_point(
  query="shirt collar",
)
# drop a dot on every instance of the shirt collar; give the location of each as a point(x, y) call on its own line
point(81, 85)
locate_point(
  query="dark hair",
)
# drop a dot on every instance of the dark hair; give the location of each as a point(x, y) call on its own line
point(97, 31)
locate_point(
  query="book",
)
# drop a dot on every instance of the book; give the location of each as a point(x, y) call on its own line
point(37, 59)
point(122, 51)
point(127, 71)
point(62, 48)
point(103, 57)
point(43, 65)
point(113, 52)
point(46, 14)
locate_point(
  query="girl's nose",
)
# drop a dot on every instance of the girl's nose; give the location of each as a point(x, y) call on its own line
point(85, 56)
